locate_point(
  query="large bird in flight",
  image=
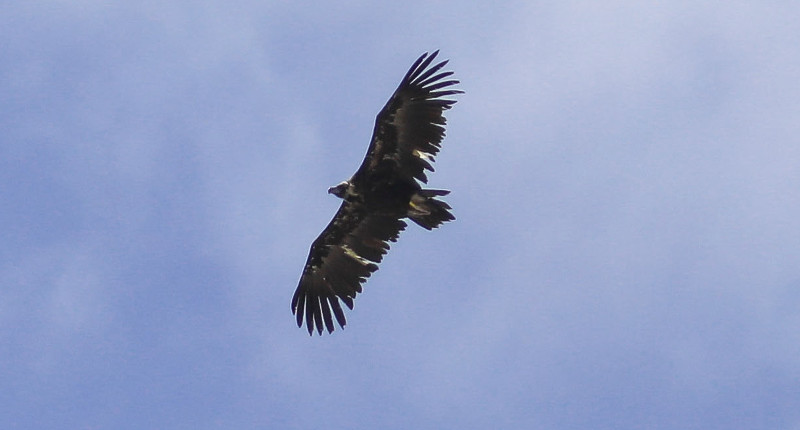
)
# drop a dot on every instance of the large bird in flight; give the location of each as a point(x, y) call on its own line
point(384, 190)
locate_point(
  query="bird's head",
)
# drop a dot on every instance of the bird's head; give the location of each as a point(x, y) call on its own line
point(339, 190)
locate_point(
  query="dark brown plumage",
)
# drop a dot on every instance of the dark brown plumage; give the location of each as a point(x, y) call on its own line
point(384, 190)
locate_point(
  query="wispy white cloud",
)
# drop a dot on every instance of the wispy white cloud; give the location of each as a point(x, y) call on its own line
point(57, 301)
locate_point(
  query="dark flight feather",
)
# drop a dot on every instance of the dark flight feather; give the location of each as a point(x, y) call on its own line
point(407, 135)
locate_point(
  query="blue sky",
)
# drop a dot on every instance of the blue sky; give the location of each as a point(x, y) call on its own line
point(625, 180)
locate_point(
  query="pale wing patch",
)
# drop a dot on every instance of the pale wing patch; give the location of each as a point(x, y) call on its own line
point(416, 204)
point(423, 155)
point(352, 254)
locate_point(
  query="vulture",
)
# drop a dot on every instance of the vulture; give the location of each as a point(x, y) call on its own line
point(383, 192)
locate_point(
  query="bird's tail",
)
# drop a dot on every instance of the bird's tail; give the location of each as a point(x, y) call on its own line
point(427, 211)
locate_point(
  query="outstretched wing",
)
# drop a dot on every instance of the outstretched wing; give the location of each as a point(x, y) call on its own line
point(410, 127)
point(341, 259)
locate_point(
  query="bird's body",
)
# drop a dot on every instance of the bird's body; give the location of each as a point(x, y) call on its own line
point(383, 191)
